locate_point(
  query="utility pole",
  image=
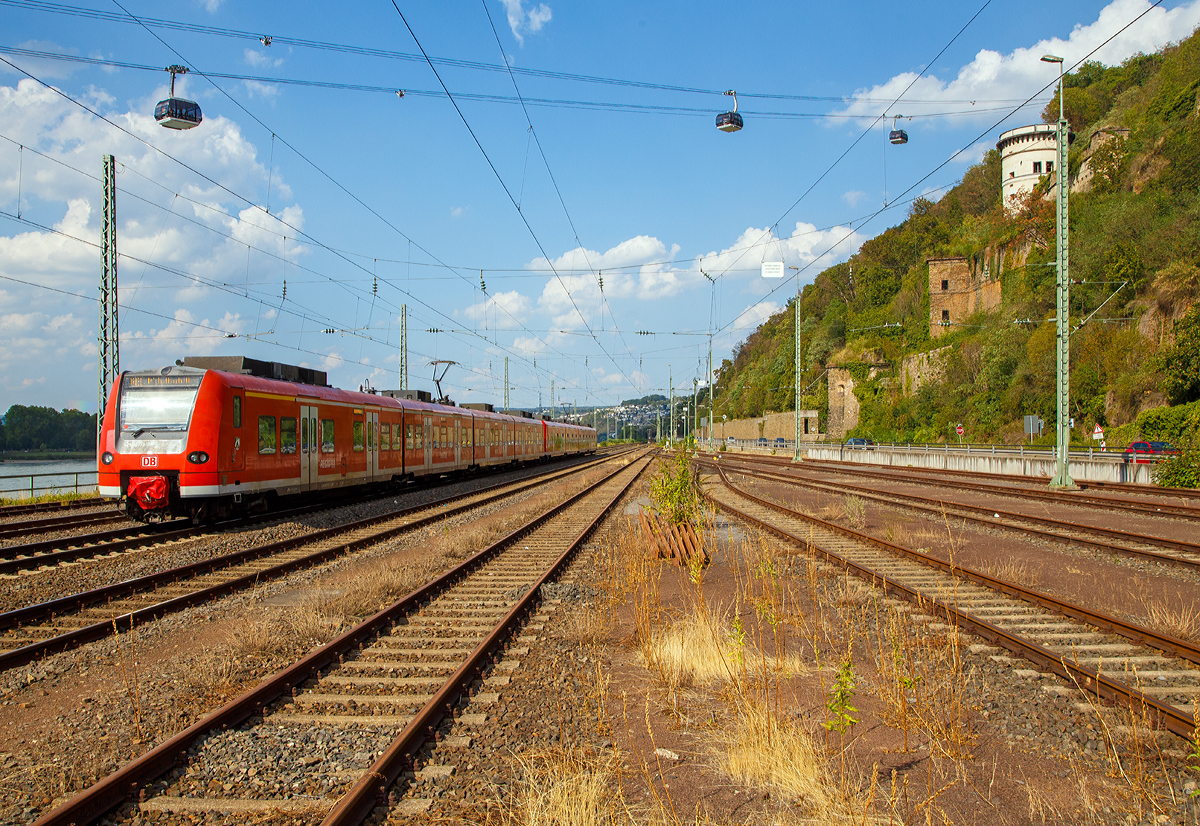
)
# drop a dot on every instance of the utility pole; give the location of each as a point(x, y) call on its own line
point(671, 381)
point(710, 396)
point(695, 406)
point(552, 398)
point(796, 413)
point(403, 346)
point(1062, 476)
point(506, 405)
point(108, 361)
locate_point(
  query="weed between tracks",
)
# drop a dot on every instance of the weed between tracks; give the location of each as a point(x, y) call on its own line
point(827, 703)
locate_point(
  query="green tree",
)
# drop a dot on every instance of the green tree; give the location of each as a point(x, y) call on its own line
point(1180, 364)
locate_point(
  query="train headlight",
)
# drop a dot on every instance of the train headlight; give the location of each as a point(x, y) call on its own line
point(197, 457)
point(106, 457)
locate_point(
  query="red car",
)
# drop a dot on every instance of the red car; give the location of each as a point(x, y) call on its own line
point(1140, 453)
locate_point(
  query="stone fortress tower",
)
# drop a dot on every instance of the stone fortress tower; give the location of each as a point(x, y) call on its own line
point(1026, 154)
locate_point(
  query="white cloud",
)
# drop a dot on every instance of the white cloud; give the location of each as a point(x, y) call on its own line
point(854, 197)
point(174, 235)
point(260, 60)
point(501, 305)
point(996, 81)
point(520, 20)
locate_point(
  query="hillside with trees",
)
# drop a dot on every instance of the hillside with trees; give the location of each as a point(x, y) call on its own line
point(1135, 268)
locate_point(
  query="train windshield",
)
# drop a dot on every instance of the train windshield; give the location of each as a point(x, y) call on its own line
point(157, 402)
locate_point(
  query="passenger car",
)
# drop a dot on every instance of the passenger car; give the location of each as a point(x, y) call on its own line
point(860, 443)
point(213, 436)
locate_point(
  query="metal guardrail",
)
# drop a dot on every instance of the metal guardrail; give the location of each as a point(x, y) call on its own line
point(32, 489)
point(1116, 455)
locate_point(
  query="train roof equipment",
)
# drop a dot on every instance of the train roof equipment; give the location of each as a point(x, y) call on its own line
point(262, 369)
point(178, 113)
point(730, 121)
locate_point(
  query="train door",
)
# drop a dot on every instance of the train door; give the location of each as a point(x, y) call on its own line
point(428, 442)
point(457, 441)
point(310, 453)
point(372, 444)
point(237, 459)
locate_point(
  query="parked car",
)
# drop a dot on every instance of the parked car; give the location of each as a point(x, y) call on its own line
point(729, 440)
point(860, 444)
point(1136, 451)
point(780, 441)
point(1164, 448)
point(762, 442)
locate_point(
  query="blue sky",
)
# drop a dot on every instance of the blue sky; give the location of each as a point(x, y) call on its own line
point(363, 200)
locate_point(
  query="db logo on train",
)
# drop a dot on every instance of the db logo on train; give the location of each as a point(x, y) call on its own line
point(149, 461)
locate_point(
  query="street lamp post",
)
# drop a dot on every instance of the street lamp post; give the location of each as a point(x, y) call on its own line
point(796, 382)
point(1062, 477)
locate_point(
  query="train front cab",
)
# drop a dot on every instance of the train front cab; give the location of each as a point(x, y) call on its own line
point(153, 442)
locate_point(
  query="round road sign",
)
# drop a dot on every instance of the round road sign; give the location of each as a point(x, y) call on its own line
point(959, 430)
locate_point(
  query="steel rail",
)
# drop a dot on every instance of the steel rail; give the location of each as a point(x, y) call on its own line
point(943, 506)
point(16, 657)
point(1042, 494)
point(95, 801)
point(35, 507)
point(1087, 678)
point(78, 520)
point(16, 558)
point(1124, 487)
point(371, 790)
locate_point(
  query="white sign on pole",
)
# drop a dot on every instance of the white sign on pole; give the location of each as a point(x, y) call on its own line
point(1098, 434)
point(772, 269)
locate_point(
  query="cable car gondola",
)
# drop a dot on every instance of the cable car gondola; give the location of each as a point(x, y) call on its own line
point(730, 121)
point(897, 136)
point(177, 113)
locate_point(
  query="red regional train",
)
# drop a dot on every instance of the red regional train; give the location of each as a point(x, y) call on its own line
point(213, 436)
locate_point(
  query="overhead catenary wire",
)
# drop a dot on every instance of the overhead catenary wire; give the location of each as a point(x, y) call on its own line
point(297, 152)
point(517, 354)
point(966, 147)
point(284, 40)
point(507, 191)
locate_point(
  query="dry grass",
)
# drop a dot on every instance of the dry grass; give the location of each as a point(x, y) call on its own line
point(853, 512)
point(761, 750)
point(1009, 570)
point(1182, 620)
point(563, 787)
point(704, 649)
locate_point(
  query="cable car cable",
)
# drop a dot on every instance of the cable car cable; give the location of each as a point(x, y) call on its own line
point(307, 160)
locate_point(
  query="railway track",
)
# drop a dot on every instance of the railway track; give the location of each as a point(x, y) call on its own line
point(392, 680)
point(54, 523)
point(975, 484)
point(7, 511)
point(57, 625)
point(1139, 546)
point(1034, 482)
point(1101, 655)
point(52, 552)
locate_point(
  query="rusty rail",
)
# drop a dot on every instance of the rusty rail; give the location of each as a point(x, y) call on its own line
point(93, 802)
point(1118, 692)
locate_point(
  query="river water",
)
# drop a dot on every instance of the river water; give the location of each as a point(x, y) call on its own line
point(15, 477)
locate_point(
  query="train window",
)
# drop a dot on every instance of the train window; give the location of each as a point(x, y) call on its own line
point(420, 436)
point(287, 434)
point(385, 437)
point(408, 437)
point(372, 436)
point(357, 436)
point(266, 434)
point(237, 411)
point(327, 435)
point(304, 435)
point(446, 437)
